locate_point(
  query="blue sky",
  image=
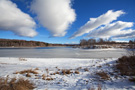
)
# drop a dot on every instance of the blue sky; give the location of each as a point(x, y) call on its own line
point(78, 25)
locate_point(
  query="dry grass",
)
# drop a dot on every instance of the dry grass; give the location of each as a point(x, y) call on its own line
point(103, 75)
point(22, 59)
point(99, 87)
point(36, 69)
point(126, 65)
point(14, 84)
point(77, 72)
point(27, 71)
point(43, 76)
point(66, 71)
point(99, 66)
point(49, 79)
point(57, 72)
point(4, 63)
point(28, 75)
point(47, 70)
point(86, 69)
point(79, 68)
point(52, 73)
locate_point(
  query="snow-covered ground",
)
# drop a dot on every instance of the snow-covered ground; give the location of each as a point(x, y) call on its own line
point(83, 73)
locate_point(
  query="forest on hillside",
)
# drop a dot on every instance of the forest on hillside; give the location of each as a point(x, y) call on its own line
point(24, 43)
point(21, 43)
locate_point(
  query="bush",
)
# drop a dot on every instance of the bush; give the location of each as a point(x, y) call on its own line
point(126, 65)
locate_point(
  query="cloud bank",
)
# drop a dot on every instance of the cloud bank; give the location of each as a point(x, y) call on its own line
point(13, 19)
point(55, 15)
point(113, 30)
point(94, 23)
point(129, 34)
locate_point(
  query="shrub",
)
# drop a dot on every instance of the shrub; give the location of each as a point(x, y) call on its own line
point(126, 65)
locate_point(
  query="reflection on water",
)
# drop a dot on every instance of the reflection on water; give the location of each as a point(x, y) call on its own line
point(61, 52)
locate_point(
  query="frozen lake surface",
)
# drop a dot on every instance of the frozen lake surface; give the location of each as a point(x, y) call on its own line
point(61, 52)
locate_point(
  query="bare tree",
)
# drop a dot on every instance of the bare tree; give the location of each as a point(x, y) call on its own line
point(83, 42)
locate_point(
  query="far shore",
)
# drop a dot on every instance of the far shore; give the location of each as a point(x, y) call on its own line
point(33, 46)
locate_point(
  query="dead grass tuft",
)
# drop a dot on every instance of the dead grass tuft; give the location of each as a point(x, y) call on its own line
point(14, 84)
point(86, 69)
point(99, 87)
point(52, 73)
point(66, 71)
point(43, 76)
point(99, 66)
point(49, 79)
point(22, 59)
point(77, 72)
point(27, 71)
point(36, 69)
point(79, 68)
point(28, 75)
point(57, 72)
point(103, 75)
point(126, 65)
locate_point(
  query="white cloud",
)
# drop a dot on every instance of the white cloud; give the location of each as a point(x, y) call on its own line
point(94, 23)
point(116, 29)
point(121, 41)
point(55, 15)
point(130, 34)
point(13, 19)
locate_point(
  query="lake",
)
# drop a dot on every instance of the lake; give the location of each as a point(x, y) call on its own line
point(61, 52)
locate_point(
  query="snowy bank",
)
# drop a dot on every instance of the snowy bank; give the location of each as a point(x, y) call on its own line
point(66, 73)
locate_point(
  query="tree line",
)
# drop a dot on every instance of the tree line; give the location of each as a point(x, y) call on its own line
point(21, 43)
point(24, 43)
point(100, 41)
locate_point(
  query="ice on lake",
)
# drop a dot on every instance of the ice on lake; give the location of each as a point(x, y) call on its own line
point(61, 52)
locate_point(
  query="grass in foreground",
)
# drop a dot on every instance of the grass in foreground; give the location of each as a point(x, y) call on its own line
point(15, 84)
point(27, 71)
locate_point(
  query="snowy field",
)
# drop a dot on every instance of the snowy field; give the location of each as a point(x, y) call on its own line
point(66, 73)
